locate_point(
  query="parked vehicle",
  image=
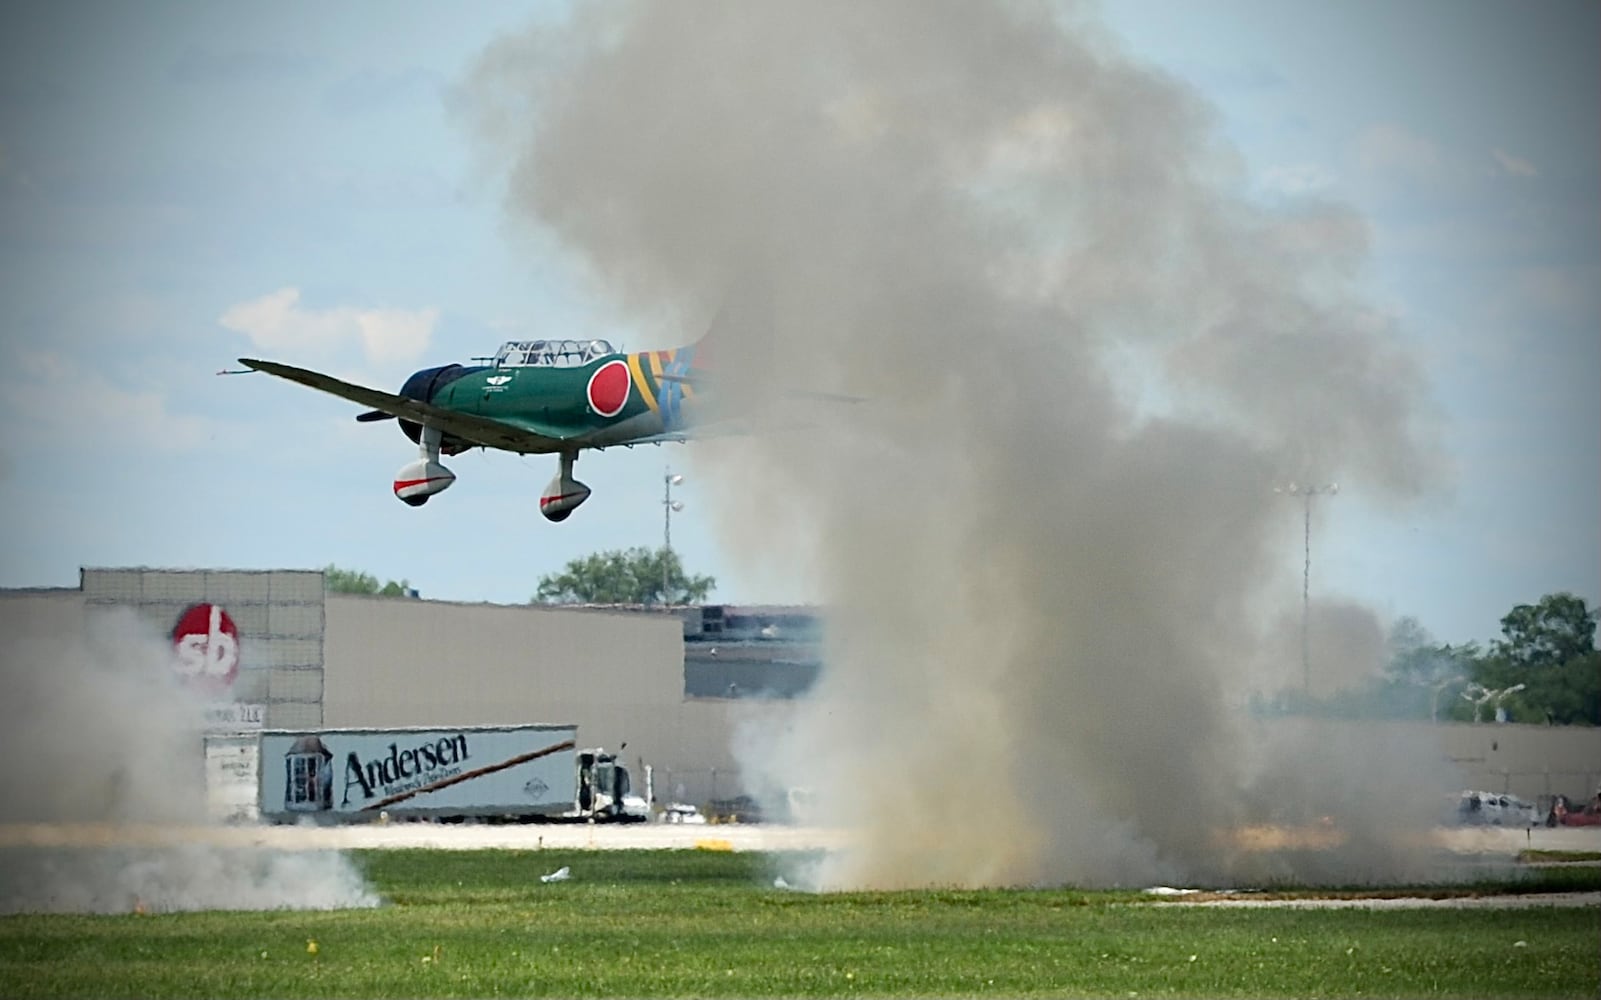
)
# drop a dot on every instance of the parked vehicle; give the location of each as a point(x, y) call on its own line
point(529, 773)
point(1565, 813)
point(681, 812)
point(1495, 809)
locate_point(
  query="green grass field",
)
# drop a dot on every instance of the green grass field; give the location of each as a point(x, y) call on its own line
point(690, 923)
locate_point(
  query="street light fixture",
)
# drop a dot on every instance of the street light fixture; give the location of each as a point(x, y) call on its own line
point(669, 507)
point(1500, 715)
point(1307, 493)
point(1478, 694)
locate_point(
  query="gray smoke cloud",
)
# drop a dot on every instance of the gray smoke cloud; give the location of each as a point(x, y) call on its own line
point(1048, 542)
point(105, 809)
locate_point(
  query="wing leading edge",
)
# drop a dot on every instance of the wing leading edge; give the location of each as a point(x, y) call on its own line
point(475, 429)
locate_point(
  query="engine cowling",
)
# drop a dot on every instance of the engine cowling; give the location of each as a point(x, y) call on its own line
point(424, 386)
point(419, 480)
point(562, 496)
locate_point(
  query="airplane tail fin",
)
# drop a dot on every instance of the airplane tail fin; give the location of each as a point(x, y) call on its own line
point(739, 341)
point(730, 362)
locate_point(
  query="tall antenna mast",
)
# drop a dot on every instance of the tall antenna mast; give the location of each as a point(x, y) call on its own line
point(1306, 493)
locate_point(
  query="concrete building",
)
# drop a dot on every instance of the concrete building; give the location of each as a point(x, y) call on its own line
point(272, 649)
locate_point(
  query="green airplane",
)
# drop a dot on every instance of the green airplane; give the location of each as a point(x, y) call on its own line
point(535, 397)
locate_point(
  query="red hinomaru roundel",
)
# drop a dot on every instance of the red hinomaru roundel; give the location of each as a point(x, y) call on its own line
point(608, 388)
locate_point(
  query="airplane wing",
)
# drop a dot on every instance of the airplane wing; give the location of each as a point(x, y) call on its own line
point(469, 427)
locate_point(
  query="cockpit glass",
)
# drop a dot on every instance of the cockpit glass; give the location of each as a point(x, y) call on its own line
point(550, 353)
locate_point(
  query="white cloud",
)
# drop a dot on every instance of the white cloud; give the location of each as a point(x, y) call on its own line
point(278, 322)
point(395, 334)
point(1514, 165)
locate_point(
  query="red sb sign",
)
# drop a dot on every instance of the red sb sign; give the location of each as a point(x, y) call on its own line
point(207, 643)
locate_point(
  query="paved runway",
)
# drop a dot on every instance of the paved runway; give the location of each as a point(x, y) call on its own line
point(443, 836)
point(1469, 841)
point(1473, 846)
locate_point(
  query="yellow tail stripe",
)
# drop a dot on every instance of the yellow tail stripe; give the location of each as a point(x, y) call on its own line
point(641, 384)
point(657, 360)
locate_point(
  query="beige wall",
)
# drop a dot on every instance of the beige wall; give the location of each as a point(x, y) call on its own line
point(1533, 762)
point(394, 662)
point(279, 615)
point(37, 614)
point(1530, 761)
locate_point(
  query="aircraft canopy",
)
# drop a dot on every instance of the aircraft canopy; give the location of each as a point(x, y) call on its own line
point(550, 353)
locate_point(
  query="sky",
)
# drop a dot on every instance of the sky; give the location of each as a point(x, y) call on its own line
point(185, 184)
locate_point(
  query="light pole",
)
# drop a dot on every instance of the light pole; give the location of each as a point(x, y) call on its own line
point(1477, 694)
point(1496, 696)
point(1306, 493)
point(669, 505)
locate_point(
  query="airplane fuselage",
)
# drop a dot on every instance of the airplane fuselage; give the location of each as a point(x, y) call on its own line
point(537, 397)
point(613, 399)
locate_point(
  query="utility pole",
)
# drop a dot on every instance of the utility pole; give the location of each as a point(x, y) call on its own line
point(1306, 493)
point(669, 506)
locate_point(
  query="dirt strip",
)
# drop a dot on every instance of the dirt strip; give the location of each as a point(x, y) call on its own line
point(1528, 900)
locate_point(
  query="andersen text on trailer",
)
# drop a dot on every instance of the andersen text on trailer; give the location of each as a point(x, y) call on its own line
point(520, 773)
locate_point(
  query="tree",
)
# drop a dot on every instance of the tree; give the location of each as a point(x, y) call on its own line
point(632, 576)
point(1547, 634)
point(1415, 658)
point(350, 581)
point(1549, 648)
point(1422, 677)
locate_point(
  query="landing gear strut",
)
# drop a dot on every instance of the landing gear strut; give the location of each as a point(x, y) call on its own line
point(563, 494)
point(419, 480)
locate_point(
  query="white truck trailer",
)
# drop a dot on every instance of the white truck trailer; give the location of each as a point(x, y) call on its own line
point(533, 773)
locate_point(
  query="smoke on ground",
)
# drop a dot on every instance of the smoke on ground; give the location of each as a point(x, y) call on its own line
point(101, 734)
point(1048, 540)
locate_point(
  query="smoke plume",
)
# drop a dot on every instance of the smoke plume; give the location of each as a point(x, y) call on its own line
point(1047, 540)
point(106, 752)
